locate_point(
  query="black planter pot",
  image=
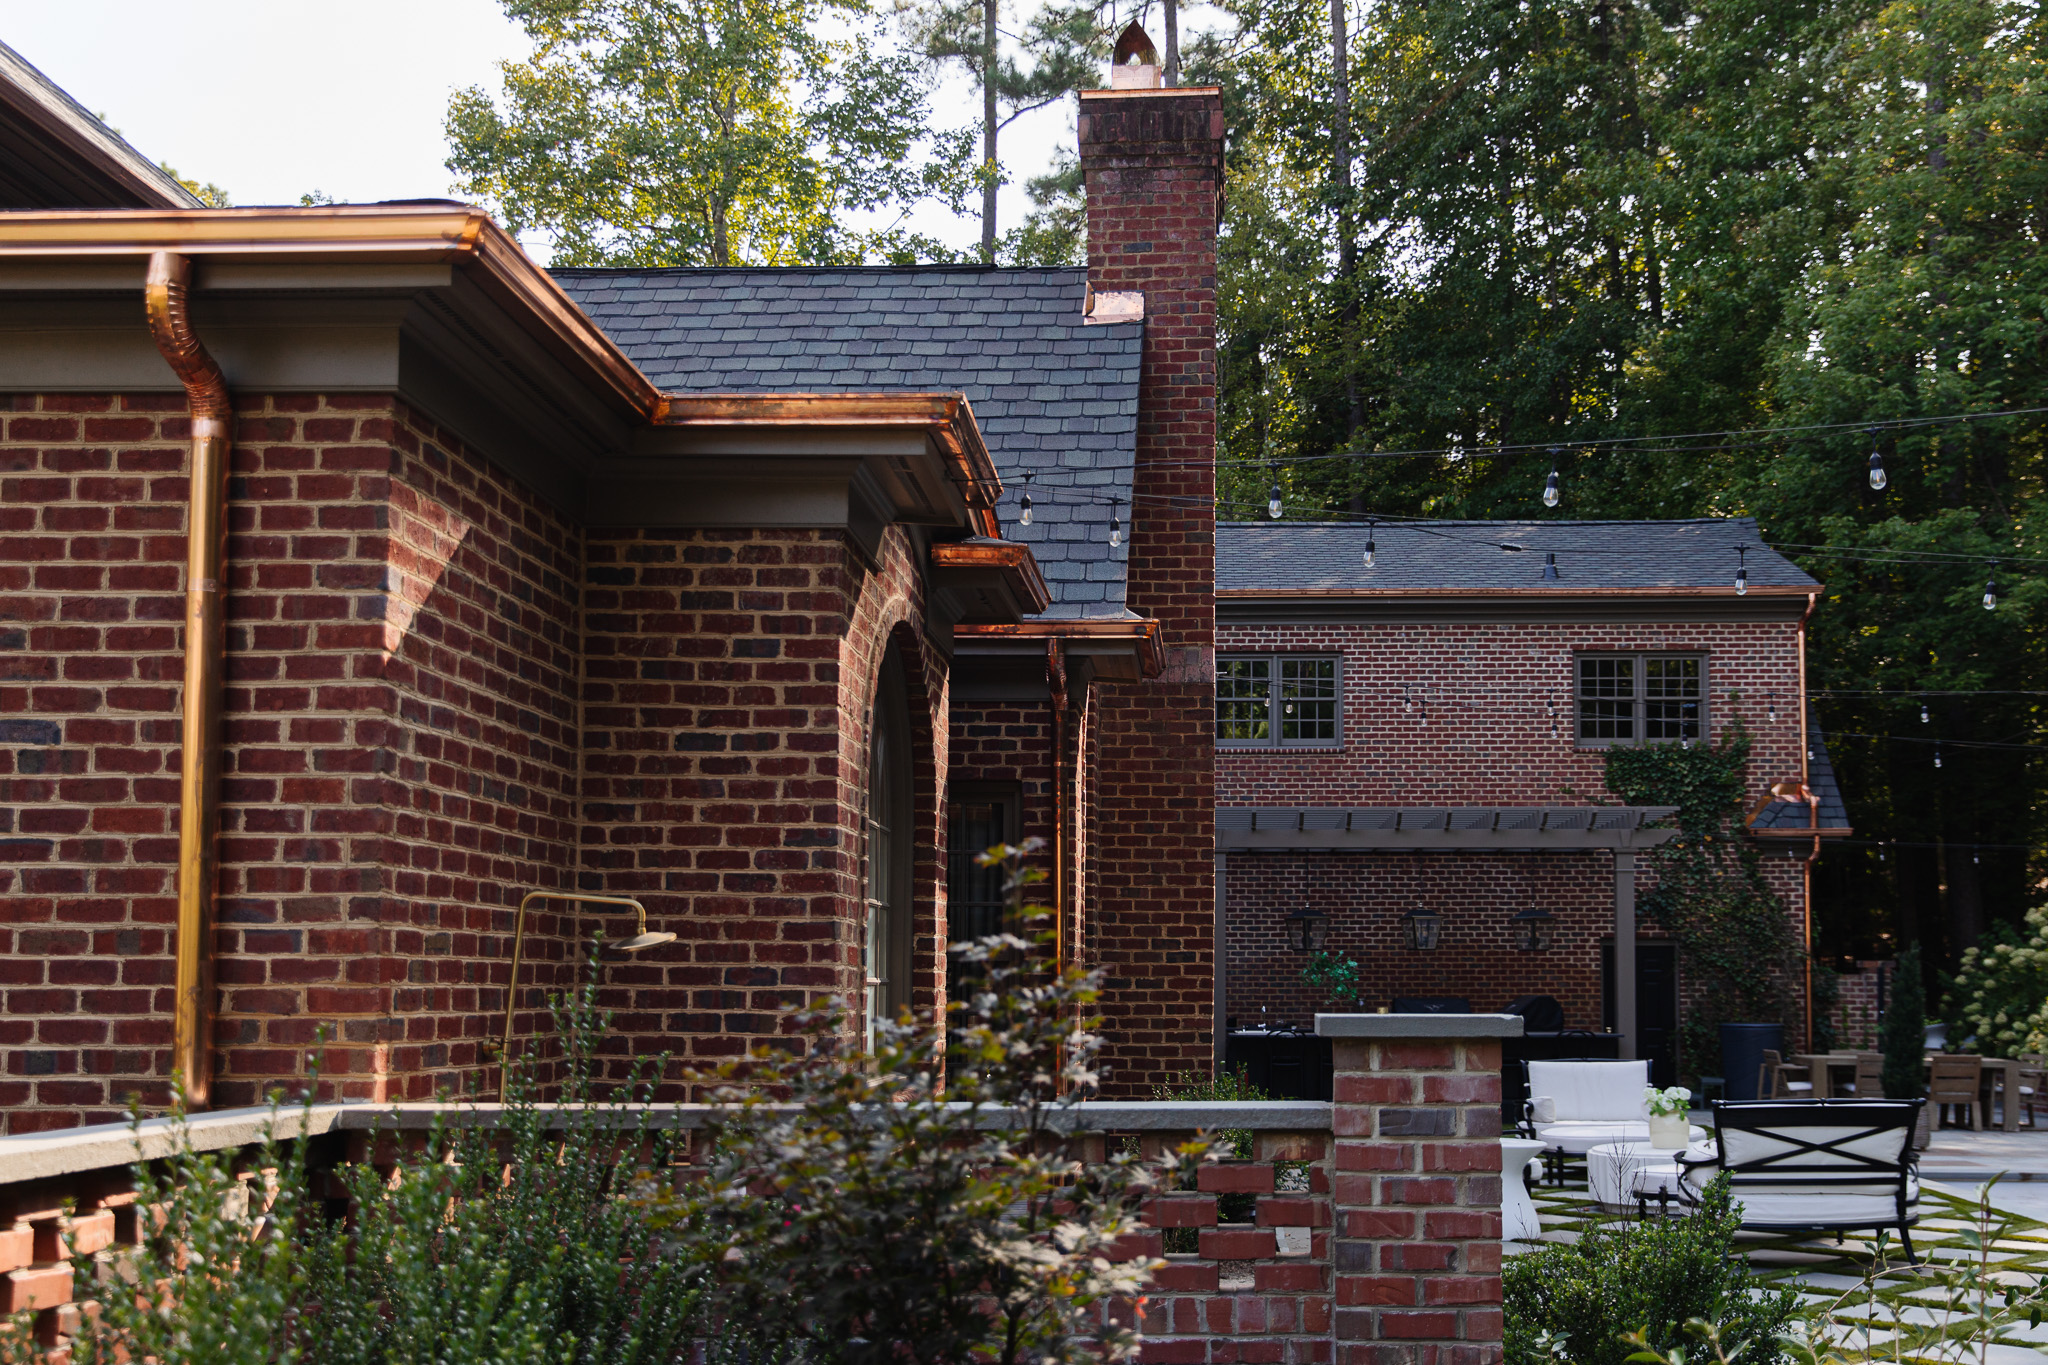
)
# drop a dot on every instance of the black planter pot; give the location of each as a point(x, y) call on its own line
point(1742, 1055)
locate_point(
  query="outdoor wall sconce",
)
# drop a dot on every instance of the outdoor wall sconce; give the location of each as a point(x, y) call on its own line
point(1307, 930)
point(1420, 929)
point(639, 941)
point(1532, 930)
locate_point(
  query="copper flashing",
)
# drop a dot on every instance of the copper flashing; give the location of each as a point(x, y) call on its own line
point(1091, 96)
point(351, 234)
point(1142, 633)
point(1513, 594)
point(1012, 559)
point(946, 417)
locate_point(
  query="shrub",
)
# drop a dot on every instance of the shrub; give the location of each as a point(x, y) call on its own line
point(2000, 993)
point(1582, 1302)
point(1903, 1036)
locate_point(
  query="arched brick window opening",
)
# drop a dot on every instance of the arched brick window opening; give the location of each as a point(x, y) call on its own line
point(890, 848)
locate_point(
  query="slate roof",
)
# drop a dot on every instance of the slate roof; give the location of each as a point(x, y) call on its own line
point(1309, 556)
point(1820, 780)
point(1052, 396)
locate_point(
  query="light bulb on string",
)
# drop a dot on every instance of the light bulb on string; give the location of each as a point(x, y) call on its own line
point(1991, 594)
point(1550, 493)
point(1742, 571)
point(1371, 550)
point(1877, 478)
point(1772, 702)
point(1024, 504)
point(1273, 506)
point(1116, 525)
point(1923, 713)
point(1937, 755)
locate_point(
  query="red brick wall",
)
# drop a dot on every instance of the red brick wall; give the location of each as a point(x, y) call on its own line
point(1479, 731)
point(1153, 165)
point(399, 744)
point(1365, 896)
point(730, 680)
point(405, 756)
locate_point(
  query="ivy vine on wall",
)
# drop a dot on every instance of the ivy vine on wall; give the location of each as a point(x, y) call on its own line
point(1739, 960)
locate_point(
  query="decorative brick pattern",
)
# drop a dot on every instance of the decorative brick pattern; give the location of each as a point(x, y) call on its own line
point(1153, 165)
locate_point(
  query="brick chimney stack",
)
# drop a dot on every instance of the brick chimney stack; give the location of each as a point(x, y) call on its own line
point(1152, 161)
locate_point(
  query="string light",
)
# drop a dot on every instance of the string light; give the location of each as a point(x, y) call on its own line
point(1550, 493)
point(1937, 755)
point(1877, 478)
point(1991, 594)
point(1273, 508)
point(1116, 525)
point(1371, 550)
point(1773, 703)
point(1024, 504)
point(1923, 713)
point(1742, 571)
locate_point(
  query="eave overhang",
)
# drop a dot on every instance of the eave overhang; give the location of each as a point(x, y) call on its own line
point(1495, 829)
point(982, 581)
point(439, 304)
point(1268, 606)
point(1121, 648)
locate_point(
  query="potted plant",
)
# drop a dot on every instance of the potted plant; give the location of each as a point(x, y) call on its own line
point(1670, 1117)
point(1903, 1040)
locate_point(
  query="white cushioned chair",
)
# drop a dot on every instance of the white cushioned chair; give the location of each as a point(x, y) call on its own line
point(1573, 1107)
point(1833, 1165)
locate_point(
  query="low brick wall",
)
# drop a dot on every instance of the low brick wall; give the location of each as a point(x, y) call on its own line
point(1364, 1232)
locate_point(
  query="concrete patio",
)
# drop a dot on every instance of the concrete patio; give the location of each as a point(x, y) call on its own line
point(1833, 1278)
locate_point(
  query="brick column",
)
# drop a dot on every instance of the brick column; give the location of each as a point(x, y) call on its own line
point(1153, 164)
point(1416, 1189)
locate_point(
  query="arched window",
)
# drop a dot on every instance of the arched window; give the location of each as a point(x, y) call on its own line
point(886, 942)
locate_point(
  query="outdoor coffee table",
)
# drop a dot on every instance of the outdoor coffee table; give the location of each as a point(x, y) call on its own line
point(1625, 1174)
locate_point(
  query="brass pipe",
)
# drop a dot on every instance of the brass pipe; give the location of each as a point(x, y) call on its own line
point(641, 939)
point(165, 294)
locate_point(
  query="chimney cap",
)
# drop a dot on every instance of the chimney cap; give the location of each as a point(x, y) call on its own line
point(1134, 48)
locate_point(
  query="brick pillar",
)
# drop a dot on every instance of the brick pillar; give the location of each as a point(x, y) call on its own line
point(1416, 1188)
point(1153, 165)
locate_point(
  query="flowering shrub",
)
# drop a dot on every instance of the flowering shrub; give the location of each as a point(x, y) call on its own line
point(2000, 992)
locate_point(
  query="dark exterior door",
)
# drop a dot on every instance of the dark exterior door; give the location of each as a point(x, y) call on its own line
point(1656, 1005)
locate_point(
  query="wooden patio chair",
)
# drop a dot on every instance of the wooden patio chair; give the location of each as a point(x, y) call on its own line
point(2033, 1084)
point(1953, 1082)
point(1870, 1075)
point(1778, 1079)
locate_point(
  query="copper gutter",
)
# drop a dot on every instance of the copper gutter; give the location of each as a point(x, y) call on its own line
point(165, 292)
point(1013, 559)
point(1514, 594)
point(1143, 633)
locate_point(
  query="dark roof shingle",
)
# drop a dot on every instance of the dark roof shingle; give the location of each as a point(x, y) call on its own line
point(1304, 556)
point(1052, 395)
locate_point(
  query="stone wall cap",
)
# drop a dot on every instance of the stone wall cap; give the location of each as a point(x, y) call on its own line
point(1419, 1025)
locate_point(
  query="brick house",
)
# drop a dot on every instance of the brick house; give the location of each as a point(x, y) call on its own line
point(707, 589)
point(1422, 727)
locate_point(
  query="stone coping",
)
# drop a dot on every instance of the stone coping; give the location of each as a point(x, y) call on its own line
point(100, 1146)
point(1419, 1025)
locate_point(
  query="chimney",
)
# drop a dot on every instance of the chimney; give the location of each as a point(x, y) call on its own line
point(1152, 162)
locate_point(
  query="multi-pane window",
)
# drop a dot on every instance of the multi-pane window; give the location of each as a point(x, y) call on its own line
point(1641, 698)
point(1276, 700)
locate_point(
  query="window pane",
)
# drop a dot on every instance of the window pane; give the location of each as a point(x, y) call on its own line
point(1671, 698)
point(1308, 700)
point(1607, 699)
point(1244, 689)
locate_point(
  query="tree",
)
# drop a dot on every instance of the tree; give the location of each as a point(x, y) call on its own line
point(1056, 52)
point(683, 132)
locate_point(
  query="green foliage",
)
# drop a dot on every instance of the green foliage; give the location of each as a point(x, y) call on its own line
point(1338, 977)
point(1582, 1302)
point(865, 1212)
point(1737, 949)
point(205, 191)
point(678, 132)
point(2000, 992)
point(1903, 1036)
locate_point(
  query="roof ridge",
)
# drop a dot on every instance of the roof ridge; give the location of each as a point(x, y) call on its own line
point(952, 267)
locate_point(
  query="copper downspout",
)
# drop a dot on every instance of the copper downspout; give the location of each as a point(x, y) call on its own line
point(1056, 704)
point(1812, 810)
point(206, 538)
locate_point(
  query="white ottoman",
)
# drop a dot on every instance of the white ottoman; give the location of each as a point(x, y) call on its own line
point(1518, 1222)
point(1618, 1173)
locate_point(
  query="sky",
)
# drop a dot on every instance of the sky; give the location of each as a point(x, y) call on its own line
point(273, 99)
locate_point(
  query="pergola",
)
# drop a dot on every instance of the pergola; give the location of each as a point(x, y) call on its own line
point(1622, 830)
